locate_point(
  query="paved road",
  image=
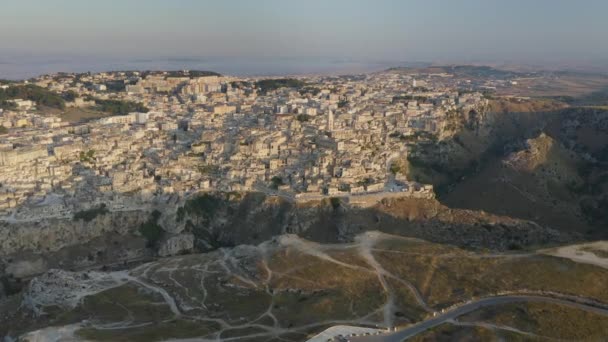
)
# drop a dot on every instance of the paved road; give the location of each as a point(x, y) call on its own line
point(416, 329)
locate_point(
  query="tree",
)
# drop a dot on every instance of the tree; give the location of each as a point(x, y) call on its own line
point(90, 214)
point(272, 84)
point(39, 95)
point(335, 202)
point(117, 107)
point(87, 157)
point(276, 181)
point(303, 117)
point(151, 230)
point(70, 95)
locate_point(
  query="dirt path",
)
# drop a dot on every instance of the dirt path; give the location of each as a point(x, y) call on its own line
point(595, 253)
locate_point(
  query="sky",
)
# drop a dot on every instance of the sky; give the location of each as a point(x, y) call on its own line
point(349, 30)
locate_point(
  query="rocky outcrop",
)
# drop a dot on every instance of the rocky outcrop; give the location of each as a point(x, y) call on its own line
point(176, 244)
point(210, 221)
point(475, 135)
point(26, 268)
point(54, 234)
point(256, 218)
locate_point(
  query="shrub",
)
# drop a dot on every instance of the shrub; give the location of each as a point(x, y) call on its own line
point(151, 230)
point(276, 181)
point(90, 214)
point(335, 202)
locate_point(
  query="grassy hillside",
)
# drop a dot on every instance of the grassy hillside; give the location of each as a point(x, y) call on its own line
point(293, 288)
point(41, 96)
point(545, 320)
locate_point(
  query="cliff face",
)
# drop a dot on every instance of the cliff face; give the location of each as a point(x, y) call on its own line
point(216, 220)
point(530, 159)
point(256, 218)
point(55, 234)
point(28, 249)
point(475, 135)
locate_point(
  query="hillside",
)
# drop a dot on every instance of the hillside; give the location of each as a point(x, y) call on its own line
point(290, 289)
point(534, 183)
point(211, 221)
point(537, 160)
point(39, 95)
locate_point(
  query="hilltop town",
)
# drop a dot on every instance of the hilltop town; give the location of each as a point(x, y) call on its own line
point(140, 189)
point(157, 135)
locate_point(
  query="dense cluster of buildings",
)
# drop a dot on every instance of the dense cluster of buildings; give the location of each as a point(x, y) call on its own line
point(334, 136)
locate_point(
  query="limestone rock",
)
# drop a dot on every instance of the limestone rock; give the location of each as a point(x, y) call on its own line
point(176, 245)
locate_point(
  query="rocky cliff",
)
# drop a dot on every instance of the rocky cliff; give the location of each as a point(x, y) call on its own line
point(209, 221)
point(531, 159)
point(54, 234)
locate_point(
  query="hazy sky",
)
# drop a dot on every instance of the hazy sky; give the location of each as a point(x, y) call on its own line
point(408, 30)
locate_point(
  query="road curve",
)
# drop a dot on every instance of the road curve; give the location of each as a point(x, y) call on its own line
point(418, 328)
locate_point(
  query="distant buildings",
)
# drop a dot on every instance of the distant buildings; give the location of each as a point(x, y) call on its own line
point(204, 134)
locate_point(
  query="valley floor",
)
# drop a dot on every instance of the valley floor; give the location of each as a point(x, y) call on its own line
point(290, 289)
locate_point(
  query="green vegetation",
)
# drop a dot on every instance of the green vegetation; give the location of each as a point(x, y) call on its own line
point(265, 86)
point(331, 291)
point(160, 331)
point(8, 105)
point(116, 86)
point(205, 205)
point(418, 135)
point(70, 95)
point(241, 84)
point(444, 281)
point(314, 91)
point(151, 230)
point(41, 96)
point(365, 181)
point(127, 302)
point(342, 103)
point(275, 182)
point(3, 130)
point(90, 214)
point(87, 157)
point(209, 169)
point(303, 289)
point(303, 117)
point(200, 211)
point(118, 107)
point(335, 202)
